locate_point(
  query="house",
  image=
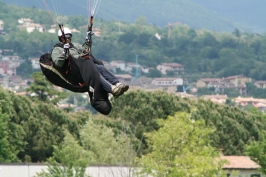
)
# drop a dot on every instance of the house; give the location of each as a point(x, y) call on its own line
point(221, 99)
point(97, 31)
point(130, 66)
point(28, 25)
point(4, 82)
point(35, 63)
point(109, 67)
point(243, 164)
point(260, 106)
point(119, 64)
point(235, 82)
point(124, 77)
point(6, 52)
point(184, 95)
point(238, 79)
point(240, 88)
point(1, 25)
point(73, 30)
point(260, 84)
point(25, 21)
point(208, 82)
point(167, 81)
point(144, 69)
point(163, 67)
point(31, 27)
point(256, 102)
point(8, 68)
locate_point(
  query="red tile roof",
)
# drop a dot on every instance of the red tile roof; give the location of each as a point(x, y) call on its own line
point(172, 64)
point(210, 79)
point(240, 162)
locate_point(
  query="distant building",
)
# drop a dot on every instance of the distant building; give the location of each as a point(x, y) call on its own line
point(25, 21)
point(28, 25)
point(35, 63)
point(208, 82)
point(1, 25)
point(243, 164)
point(118, 64)
point(167, 81)
point(31, 27)
point(163, 67)
point(124, 77)
point(260, 84)
point(216, 98)
point(237, 80)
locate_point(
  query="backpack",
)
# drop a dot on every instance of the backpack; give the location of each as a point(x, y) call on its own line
point(56, 76)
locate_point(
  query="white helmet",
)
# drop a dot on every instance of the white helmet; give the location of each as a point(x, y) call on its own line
point(66, 32)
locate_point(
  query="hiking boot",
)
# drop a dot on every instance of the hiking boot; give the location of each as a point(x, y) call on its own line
point(120, 90)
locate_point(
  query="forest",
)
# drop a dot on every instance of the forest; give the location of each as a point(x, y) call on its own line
point(148, 129)
point(35, 130)
point(203, 53)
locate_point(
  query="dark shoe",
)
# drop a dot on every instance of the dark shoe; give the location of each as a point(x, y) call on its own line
point(120, 90)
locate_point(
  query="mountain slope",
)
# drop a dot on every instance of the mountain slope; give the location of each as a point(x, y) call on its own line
point(249, 14)
point(191, 12)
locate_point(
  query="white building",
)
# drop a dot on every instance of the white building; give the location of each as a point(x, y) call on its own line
point(163, 67)
point(1, 25)
point(28, 25)
point(35, 63)
point(167, 81)
point(118, 64)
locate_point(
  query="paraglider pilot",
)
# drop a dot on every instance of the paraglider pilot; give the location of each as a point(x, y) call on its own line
point(82, 68)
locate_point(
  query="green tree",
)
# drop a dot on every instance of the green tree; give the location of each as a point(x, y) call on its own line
point(8, 152)
point(44, 89)
point(181, 147)
point(154, 73)
point(234, 127)
point(69, 160)
point(107, 147)
point(257, 150)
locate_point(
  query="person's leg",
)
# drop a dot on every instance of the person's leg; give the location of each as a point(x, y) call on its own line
point(110, 81)
point(92, 80)
point(110, 77)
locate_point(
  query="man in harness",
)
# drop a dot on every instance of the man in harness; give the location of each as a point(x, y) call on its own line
point(83, 69)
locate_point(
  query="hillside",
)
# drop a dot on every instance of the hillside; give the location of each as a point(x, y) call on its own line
point(30, 128)
point(213, 15)
point(245, 13)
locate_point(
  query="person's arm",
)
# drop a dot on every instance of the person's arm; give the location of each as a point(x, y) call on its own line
point(87, 46)
point(58, 56)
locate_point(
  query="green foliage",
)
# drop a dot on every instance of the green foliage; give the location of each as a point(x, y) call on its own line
point(181, 147)
point(153, 73)
point(10, 130)
point(234, 127)
point(44, 90)
point(256, 151)
point(33, 127)
point(106, 147)
point(199, 51)
point(254, 91)
point(8, 151)
point(69, 160)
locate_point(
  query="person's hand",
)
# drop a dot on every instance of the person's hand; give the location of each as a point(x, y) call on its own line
point(89, 34)
point(66, 46)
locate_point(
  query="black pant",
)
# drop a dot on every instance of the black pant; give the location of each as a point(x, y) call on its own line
point(84, 71)
point(107, 78)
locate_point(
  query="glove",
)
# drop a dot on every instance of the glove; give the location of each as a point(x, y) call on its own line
point(89, 34)
point(66, 46)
